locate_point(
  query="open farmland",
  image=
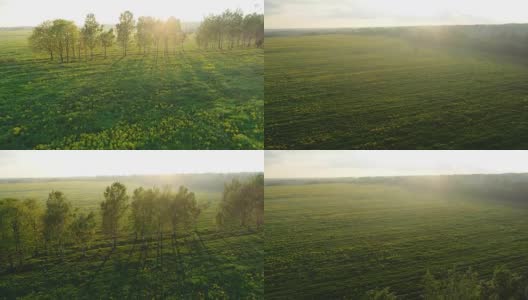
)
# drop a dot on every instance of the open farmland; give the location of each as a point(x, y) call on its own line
point(417, 88)
point(202, 261)
point(190, 99)
point(342, 238)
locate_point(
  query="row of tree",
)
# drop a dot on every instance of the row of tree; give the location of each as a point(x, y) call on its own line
point(231, 29)
point(505, 284)
point(26, 228)
point(63, 39)
point(152, 33)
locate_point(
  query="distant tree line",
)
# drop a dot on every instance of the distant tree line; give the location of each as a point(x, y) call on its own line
point(62, 40)
point(28, 229)
point(508, 39)
point(505, 284)
point(231, 29)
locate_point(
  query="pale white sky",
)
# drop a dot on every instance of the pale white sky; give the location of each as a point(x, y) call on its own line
point(369, 13)
point(32, 12)
point(328, 164)
point(34, 164)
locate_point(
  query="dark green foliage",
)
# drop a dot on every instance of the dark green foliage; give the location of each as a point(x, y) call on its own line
point(455, 286)
point(384, 294)
point(505, 284)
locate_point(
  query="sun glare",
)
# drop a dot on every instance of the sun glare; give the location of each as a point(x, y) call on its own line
point(15, 12)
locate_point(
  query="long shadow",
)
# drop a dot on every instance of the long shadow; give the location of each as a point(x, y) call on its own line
point(114, 63)
point(90, 281)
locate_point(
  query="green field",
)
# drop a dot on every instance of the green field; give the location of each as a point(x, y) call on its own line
point(203, 263)
point(335, 240)
point(191, 99)
point(384, 91)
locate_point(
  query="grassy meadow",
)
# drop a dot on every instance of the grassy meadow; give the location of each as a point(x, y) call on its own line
point(432, 88)
point(341, 239)
point(202, 263)
point(190, 99)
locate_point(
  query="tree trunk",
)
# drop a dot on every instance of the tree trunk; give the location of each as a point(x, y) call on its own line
point(174, 242)
point(105, 52)
point(11, 263)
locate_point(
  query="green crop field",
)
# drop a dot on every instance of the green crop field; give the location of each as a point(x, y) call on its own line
point(384, 90)
point(334, 240)
point(191, 99)
point(200, 263)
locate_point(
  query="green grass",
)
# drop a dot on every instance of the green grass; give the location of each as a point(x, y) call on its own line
point(203, 263)
point(344, 239)
point(351, 91)
point(188, 100)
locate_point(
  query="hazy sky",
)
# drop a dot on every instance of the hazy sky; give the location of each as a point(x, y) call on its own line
point(367, 13)
point(33, 12)
point(32, 164)
point(322, 164)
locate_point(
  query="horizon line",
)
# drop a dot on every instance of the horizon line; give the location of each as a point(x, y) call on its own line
point(395, 26)
point(391, 176)
point(131, 175)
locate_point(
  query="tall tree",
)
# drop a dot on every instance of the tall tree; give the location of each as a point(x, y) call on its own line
point(158, 33)
point(144, 33)
point(242, 201)
point(142, 212)
point(70, 36)
point(107, 39)
point(183, 38)
point(42, 40)
point(83, 229)
point(257, 196)
point(91, 31)
point(125, 29)
point(12, 213)
point(34, 215)
point(173, 33)
point(113, 208)
point(56, 219)
point(59, 30)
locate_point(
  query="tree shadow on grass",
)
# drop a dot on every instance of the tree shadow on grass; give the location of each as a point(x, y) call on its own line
point(117, 61)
